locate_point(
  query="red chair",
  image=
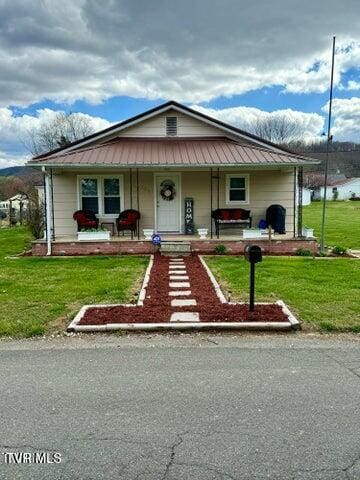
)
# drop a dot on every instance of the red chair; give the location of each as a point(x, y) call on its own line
point(86, 219)
point(128, 220)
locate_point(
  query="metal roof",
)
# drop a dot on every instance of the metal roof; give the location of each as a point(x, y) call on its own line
point(181, 151)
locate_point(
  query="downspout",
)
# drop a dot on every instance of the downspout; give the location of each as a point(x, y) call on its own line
point(47, 210)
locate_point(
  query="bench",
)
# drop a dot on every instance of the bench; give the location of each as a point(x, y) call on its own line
point(231, 217)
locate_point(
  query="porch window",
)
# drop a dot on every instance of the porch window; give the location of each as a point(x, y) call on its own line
point(90, 194)
point(102, 194)
point(111, 196)
point(237, 188)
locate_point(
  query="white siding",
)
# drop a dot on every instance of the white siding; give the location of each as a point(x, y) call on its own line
point(187, 126)
point(266, 187)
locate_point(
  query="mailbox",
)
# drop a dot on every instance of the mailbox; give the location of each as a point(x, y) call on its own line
point(253, 253)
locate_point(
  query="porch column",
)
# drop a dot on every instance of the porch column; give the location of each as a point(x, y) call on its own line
point(300, 201)
point(131, 199)
point(138, 202)
point(48, 209)
point(211, 202)
point(218, 196)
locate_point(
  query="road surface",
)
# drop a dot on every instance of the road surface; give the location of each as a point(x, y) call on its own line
point(181, 407)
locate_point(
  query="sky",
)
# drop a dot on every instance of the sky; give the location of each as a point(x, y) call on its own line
point(233, 59)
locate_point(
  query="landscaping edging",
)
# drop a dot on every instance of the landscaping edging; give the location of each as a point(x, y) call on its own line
point(94, 318)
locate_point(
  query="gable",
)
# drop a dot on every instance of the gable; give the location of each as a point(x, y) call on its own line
point(186, 127)
point(153, 124)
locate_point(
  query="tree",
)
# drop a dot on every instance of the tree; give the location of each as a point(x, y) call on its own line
point(278, 129)
point(64, 129)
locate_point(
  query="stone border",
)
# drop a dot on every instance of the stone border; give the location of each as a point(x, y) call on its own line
point(292, 324)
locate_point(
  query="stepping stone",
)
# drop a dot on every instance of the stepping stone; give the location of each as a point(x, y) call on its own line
point(185, 317)
point(177, 272)
point(179, 277)
point(177, 267)
point(179, 293)
point(183, 302)
point(179, 285)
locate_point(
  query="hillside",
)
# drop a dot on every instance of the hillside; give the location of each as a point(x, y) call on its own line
point(27, 174)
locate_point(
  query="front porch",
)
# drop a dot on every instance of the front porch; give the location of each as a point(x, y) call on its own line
point(122, 245)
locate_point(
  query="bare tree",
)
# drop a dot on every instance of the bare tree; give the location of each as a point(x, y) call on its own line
point(59, 132)
point(278, 129)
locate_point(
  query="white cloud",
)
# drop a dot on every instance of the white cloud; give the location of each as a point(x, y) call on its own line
point(346, 115)
point(351, 85)
point(8, 160)
point(311, 124)
point(14, 132)
point(93, 50)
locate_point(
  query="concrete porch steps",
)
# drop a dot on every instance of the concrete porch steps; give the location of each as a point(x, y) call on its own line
point(173, 247)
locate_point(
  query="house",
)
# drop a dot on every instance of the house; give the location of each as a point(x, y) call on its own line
point(306, 196)
point(156, 161)
point(15, 206)
point(339, 189)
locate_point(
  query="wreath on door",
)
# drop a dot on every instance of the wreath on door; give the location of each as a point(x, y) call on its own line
point(167, 190)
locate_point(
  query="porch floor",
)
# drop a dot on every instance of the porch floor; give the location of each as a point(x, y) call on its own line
point(175, 237)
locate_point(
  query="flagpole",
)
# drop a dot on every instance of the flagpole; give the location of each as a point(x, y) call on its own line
point(329, 138)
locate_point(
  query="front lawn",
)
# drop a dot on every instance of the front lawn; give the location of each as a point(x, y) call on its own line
point(322, 292)
point(38, 295)
point(342, 225)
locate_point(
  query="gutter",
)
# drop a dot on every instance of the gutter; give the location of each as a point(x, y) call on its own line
point(177, 166)
point(48, 210)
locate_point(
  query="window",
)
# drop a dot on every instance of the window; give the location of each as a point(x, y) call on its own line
point(111, 195)
point(90, 194)
point(101, 194)
point(171, 126)
point(237, 188)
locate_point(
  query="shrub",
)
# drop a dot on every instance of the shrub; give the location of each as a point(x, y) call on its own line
point(35, 217)
point(303, 252)
point(220, 249)
point(339, 250)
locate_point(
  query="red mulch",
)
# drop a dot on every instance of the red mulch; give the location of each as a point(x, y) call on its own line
point(157, 308)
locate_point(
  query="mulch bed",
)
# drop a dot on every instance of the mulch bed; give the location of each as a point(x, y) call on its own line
point(157, 305)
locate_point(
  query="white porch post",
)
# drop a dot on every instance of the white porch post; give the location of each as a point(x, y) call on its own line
point(48, 209)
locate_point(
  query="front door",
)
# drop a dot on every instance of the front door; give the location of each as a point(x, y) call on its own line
point(168, 203)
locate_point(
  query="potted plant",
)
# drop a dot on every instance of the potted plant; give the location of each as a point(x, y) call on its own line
point(307, 232)
point(202, 232)
point(148, 233)
point(93, 234)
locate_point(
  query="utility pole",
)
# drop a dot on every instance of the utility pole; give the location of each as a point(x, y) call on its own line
point(329, 139)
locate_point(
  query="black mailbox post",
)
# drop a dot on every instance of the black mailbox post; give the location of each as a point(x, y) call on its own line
point(253, 255)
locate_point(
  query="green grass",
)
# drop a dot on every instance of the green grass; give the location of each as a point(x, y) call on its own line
point(322, 292)
point(342, 222)
point(38, 295)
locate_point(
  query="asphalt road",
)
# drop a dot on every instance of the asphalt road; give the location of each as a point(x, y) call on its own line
point(184, 407)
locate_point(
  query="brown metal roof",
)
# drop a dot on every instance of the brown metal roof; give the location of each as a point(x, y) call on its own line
point(206, 151)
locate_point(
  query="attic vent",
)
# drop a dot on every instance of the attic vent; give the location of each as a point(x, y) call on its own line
point(171, 126)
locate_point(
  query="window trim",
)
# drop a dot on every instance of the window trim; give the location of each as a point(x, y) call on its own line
point(100, 179)
point(246, 176)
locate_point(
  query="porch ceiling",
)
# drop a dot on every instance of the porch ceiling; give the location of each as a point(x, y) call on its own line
point(161, 152)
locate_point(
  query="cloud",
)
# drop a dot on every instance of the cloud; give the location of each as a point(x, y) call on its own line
point(8, 160)
point(311, 124)
point(346, 115)
point(91, 50)
point(14, 132)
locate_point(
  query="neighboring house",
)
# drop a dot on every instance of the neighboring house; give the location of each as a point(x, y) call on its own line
point(18, 204)
point(127, 165)
point(342, 189)
point(306, 196)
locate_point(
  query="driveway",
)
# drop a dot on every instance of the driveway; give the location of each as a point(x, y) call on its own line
point(182, 407)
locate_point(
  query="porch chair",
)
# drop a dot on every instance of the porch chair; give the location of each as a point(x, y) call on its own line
point(85, 219)
point(128, 220)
